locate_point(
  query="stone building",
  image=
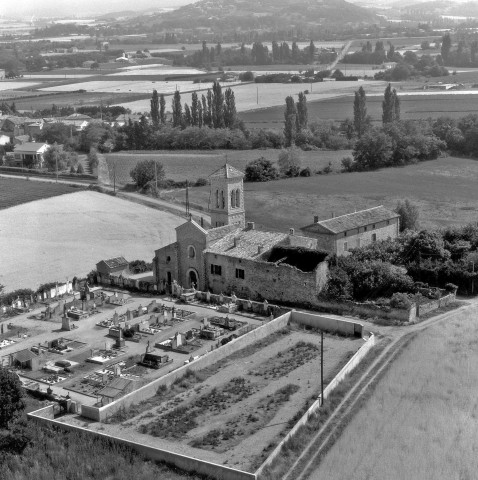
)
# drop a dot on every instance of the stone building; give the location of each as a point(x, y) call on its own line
point(233, 256)
point(341, 234)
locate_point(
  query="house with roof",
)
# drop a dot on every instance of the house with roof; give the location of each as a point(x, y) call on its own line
point(13, 126)
point(115, 389)
point(112, 265)
point(122, 120)
point(30, 154)
point(78, 121)
point(25, 359)
point(234, 256)
point(345, 232)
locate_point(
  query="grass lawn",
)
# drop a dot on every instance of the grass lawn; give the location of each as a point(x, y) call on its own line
point(194, 164)
point(422, 418)
point(445, 190)
point(15, 191)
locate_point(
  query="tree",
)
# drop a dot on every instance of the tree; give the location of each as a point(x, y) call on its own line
point(373, 150)
point(162, 110)
point(290, 127)
point(146, 171)
point(187, 117)
point(390, 106)
point(360, 112)
point(311, 51)
point(195, 109)
point(260, 170)
point(230, 112)
point(55, 158)
point(408, 215)
point(177, 109)
point(11, 398)
point(217, 106)
point(155, 109)
point(80, 169)
point(289, 162)
point(445, 46)
point(302, 115)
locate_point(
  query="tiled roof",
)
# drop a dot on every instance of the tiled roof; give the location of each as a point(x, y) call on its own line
point(354, 220)
point(17, 120)
point(116, 262)
point(244, 243)
point(24, 356)
point(219, 232)
point(28, 147)
point(77, 116)
point(226, 171)
point(115, 388)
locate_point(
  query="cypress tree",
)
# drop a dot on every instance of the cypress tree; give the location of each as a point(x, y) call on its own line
point(302, 115)
point(360, 112)
point(230, 113)
point(290, 126)
point(396, 107)
point(388, 105)
point(187, 116)
point(217, 106)
point(155, 109)
point(209, 122)
point(162, 110)
point(194, 109)
point(200, 114)
point(177, 109)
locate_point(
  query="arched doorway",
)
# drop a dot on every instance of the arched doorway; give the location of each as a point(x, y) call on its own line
point(192, 278)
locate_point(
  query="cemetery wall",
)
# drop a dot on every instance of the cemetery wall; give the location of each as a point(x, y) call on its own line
point(190, 464)
point(313, 409)
point(149, 390)
point(327, 323)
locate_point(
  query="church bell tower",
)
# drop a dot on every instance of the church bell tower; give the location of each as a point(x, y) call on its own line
point(226, 204)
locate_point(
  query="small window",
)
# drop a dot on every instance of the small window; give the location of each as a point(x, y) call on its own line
point(240, 273)
point(238, 198)
point(345, 234)
point(346, 247)
point(191, 252)
point(374, 237)
point(217, 198)
point(168, 259)
point(373, 226)
point(388, 222)
point(216, 269)
point(365, 229)
point(233, 199)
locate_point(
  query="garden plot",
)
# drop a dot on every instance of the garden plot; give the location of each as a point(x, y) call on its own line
point(235, 411)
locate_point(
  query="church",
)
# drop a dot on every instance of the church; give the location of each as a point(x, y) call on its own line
point(234, 256)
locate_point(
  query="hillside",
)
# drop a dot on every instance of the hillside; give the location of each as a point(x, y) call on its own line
point(264, 14)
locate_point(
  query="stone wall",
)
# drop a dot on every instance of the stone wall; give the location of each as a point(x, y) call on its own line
point(262, 280)
point(423, 308)
point(184, 462)
point(327, 324)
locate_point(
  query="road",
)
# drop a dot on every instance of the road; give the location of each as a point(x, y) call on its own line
point(305, 465)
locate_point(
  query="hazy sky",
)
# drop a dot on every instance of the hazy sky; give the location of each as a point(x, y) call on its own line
point(28, 8)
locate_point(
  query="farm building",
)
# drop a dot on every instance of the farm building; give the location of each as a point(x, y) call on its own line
point(113, 265)
point(353, 230)
point(30, 154)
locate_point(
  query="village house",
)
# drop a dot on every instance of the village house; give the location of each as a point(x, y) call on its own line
point(29, 154)
point(345, 232)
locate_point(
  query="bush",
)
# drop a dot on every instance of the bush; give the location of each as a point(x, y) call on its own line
point(80, 169)
point(348, 164)
point(289, 162)
point(246, 76)
point(201, 182)
point(260, 170)
point(451, 287)
point(400, 301)
point(327, 169)
point(305, 172)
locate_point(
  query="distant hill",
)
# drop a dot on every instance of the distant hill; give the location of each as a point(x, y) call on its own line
point(255, 14)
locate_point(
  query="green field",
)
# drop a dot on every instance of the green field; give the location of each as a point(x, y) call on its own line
point(194, 164)
point(15, 191)
point(445, 190)
point(412, 107)
point(422, 418)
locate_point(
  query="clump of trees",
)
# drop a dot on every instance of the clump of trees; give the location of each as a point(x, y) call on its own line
point(147, 173)
point(261, 170)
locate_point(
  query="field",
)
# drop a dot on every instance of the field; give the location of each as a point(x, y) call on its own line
point(193, 164)
point(232, 411)
point(422, 418)
point(444, 191)
point(15, 191)
point(58, 238)
point(254, 96)
point(414, 105)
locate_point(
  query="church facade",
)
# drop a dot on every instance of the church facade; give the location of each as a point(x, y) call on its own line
point(233, 256)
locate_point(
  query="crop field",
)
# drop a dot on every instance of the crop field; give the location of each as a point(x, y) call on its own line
point(256, 96)
point(444, 190)
point(193, 164)
point(234, 410)
point(414, 105)
point(58, 238)
point(15, 191)
point(422, 418)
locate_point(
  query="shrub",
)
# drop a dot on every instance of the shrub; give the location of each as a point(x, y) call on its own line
point(305, 172)
point(451, 287)
point(289, 162)
point(200, 182)
point(260, 170)
point(400, 301)
point(348, 164)
point(327, 169)
point(80, 169)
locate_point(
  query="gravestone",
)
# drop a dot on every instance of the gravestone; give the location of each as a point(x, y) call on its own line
point(65, 323)
point(128, 314)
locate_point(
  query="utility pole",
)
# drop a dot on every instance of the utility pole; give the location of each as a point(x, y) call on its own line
point(321, 367)
point(257, 95)
point(188, 212)
point(156, 176)
point(114, 176)
point(56, 163)
point(473, 279)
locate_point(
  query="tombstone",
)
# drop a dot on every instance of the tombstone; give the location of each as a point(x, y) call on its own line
point(128, 314)
point(140, 311)
point(271, 317)
point(266, 307)
point(147, 347)
point(152, 306)
point(233, 298)
point(117, 370)
point(173, 313)
point(115, 318)
point(221, 298)
point(177, 340)
point(249, 305)
point(205, 322)
point(208, 296)
point(193, 286)
point(226, 322)
point(65, 323)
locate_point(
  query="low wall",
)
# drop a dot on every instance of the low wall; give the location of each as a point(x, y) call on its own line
point(101, 413)
point(348, 367)
point(423, 308)
point(190, 464)
point(327, 323)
